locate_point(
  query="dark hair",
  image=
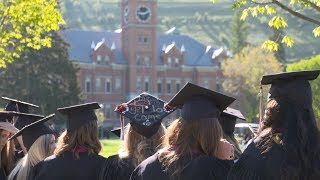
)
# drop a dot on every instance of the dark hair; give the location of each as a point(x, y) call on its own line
point(300, 138)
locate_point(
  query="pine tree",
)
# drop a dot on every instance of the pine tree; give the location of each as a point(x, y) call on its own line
point(239, 31)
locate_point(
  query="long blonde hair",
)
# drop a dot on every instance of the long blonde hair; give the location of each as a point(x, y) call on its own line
point(7, 156)
point(39, 150)
point(85, 136)
point(139, 147)
point(183, 137)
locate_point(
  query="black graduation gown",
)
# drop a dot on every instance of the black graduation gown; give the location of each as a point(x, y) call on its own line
point(118, 169)
point(253, 165)
point(66, 167)
point(202, 167)
point(2, 174)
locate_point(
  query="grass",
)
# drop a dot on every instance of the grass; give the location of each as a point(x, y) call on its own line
point(109, 147)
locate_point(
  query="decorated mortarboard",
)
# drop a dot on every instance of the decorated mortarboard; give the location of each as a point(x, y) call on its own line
point(197, 102)
point(228, 120)
point(145, 113)
point(33, 131)
point(116, 131)
point(79, 115)
point(17, 105)
point(26, 119)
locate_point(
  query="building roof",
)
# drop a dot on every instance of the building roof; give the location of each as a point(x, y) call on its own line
point(81, 42)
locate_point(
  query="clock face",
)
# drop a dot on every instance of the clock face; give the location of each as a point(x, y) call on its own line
point(143, 13)
point(126, 14)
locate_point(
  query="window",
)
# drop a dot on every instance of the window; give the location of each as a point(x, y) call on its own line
point(98, 84)
point(145, 39)
point(88, 85)
point(108, 86)
point(178, 86)
point(168, 87)
point(138, 85)
point(218, 87)
point(147, 61)
point(99, 59)
point(118, 85)
point(206, 84)
point(146, 85)
point(138, 60)
point(169, 61)
point(176, 62)
point(159, 86)
point(107, 59)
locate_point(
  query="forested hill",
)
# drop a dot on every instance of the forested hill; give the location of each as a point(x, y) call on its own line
point(200, 19)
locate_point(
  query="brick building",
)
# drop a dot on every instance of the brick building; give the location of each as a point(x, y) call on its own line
point(117, 66)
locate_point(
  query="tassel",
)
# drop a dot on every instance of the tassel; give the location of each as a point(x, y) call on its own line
point(260, 106)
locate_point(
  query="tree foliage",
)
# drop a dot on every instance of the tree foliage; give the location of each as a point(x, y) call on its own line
point(45, 77)
point(310, 64)
point(24, 24)
point(243, 74)
point(307, 10)
point(277, 36)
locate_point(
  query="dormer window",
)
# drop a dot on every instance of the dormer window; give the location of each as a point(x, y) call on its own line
point(99, 58)
point(169, 61)
point(107, 59)
point(176, 62)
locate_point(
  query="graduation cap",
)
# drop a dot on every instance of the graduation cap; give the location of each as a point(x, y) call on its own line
point(17, 105)
point(25, 119)
point(79, 115)
point(33, 131)
point(197, 102)
point(291, 85)
point(6, 116)
point(228, 120)
point(145, 113)
point(116, 131)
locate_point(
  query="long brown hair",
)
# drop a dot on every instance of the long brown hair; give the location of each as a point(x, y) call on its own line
point(138, 147)
point(86, 136)
point(184, 137)
point(7, 156)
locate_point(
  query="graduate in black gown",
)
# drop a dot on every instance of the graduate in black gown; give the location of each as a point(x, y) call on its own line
point(193, 145)
point(142, 137)
point(288, 144)
point(39, 142)
point(228, 121)
point(76, 155)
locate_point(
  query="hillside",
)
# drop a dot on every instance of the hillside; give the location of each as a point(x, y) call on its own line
point(202, 20)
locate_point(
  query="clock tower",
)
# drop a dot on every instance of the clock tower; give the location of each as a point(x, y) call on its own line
point(139, 26)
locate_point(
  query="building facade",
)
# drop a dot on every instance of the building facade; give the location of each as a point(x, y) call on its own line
point(114, 67)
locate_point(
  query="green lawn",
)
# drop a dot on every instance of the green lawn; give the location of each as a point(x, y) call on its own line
point(109, 147)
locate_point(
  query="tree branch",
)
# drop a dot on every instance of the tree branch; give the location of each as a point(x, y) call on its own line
point(282, 6)
point(261, 3)
point(313, 5)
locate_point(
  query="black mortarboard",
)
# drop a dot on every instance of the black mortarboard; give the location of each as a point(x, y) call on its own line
point(5, 116)
point(197, 102)
point(228, 120)
point(17, 105)
point(145, 113)
point(25, 119)
point(291, 85)
point(79, 115)
point(33, 131)
point(116, 131)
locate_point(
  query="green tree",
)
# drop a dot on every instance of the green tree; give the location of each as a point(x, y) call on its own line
point(277, 35)
point(45, 77)
point(307, 10)
point(24, 24)
point(310, 64)
point(243, 74)
point(239, 31)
